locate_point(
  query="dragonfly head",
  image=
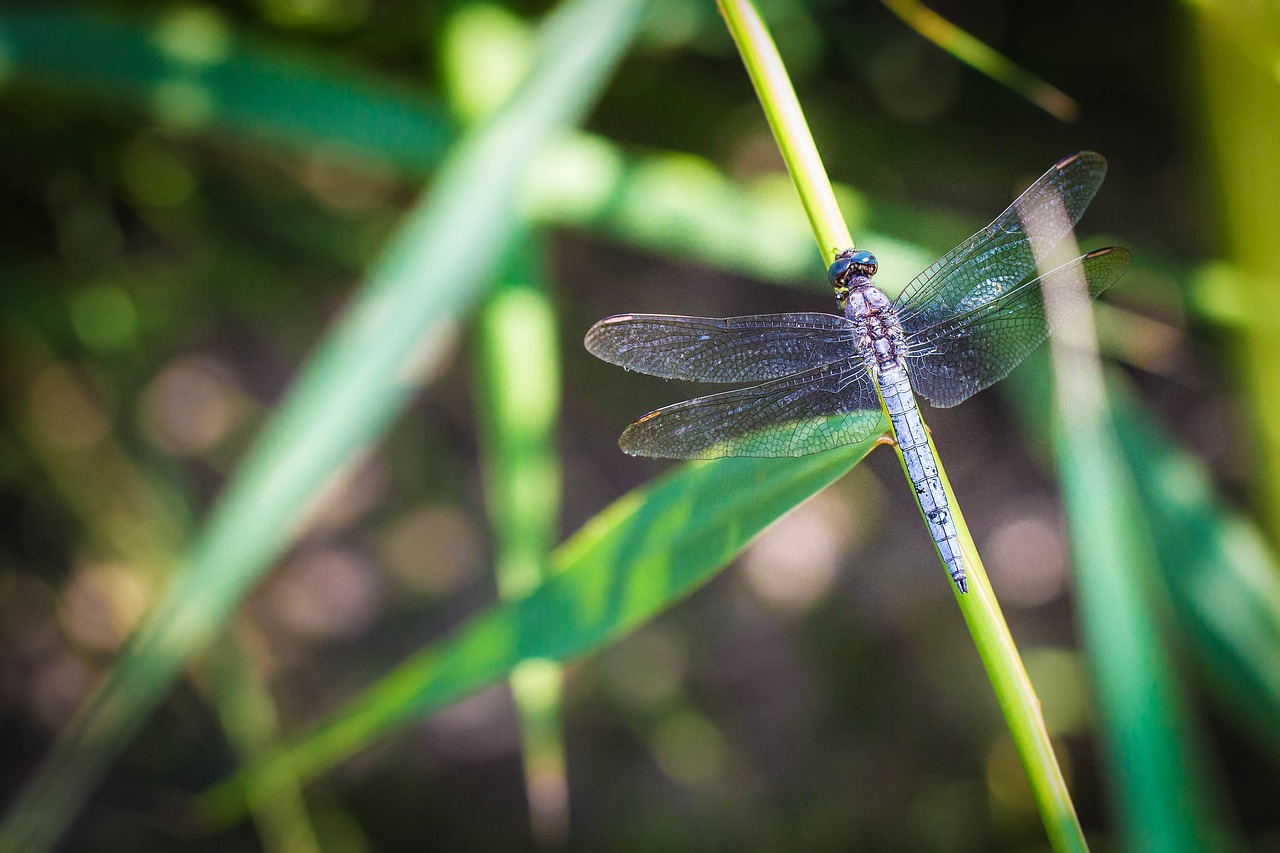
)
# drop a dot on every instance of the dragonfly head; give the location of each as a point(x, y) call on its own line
point(849, 264)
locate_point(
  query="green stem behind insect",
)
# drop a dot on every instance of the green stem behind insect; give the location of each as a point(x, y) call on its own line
point(1012, 686)
point(782, 109)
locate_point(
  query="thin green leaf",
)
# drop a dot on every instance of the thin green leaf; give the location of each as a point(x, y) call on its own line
point(248, 715)
point(1219, 572)
point(361, 376)
point(1154, 755)
point(1120, 523)
point(992, 640)
point(1216, 569)
point(190, 71)
point(634, 560)
point(979, 56)
point(1237, 46)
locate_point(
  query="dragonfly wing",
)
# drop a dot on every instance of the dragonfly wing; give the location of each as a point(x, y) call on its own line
point(1001, 253)
point(711, 349)
point(819, 409)
point(985, 339)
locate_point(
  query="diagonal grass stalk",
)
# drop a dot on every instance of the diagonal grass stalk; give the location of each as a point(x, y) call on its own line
point(980, 57)
point(981, 611)
point(358, 380)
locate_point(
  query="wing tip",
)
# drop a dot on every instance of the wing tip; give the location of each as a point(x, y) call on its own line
point(1119, 253)
point(591, 339)
point(1092, 156)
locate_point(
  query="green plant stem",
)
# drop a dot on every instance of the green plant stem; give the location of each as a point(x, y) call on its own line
point(359, 378)
point(1013, 689)
point(977, 55)
point(520, 366)
point(782, 109)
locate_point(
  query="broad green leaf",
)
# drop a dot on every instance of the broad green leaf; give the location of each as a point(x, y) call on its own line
point(345, 398)
point(1221, 575)
point(1156, 755)
point(191, 71)
point(1153, 749)
point(631, 562)
point(1216, 569)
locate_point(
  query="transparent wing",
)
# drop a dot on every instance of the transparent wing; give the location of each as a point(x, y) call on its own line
point(733, 349)
point(980, 340)
point(1000, 254)
point(819, 409)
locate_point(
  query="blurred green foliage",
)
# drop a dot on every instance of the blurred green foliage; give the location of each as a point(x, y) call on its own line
point(192, 194)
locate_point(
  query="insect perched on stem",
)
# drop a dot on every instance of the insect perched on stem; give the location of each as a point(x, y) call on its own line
point(960, 326)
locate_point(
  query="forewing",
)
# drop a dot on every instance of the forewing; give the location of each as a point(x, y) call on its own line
point(1000, 255)
point(819, 409)
point(711, 349)
point(986, 337)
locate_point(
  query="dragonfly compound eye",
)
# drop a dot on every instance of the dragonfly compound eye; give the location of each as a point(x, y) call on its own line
point(851, 262)
point(863, 263)
point(839, 269)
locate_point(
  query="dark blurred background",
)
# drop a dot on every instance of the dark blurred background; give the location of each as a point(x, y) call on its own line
point(165, 276)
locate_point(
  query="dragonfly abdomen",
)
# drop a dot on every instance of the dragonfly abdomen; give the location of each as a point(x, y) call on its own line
point(922, 469)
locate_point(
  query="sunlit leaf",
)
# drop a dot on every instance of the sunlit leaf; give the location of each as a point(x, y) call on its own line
point(632, 561)
point(361, 376)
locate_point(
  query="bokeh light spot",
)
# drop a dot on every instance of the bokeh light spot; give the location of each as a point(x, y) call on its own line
point(183, 104)
point(57, 689)
point(1063, 687)
point(913, 80)
point(328, 593)
point(432, 549)
point(1006, 780)
point(1026, 557)
point(346, 184)
point(195, 35)
point(100, 605)
point(691, 750)
point(487, 51)
point(319, 14)
point(795, 562)
point(190, 407)
point(104, 317)
point(648, 668)
point(572, 181)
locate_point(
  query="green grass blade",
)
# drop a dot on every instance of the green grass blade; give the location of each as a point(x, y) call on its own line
point(248, 716)
point(519, 373)
point(1221, 575)
point(1217, 572)
point(781, 107)
point(1237, 52)
point(1126, 526)
point(1155, 761)
point(1009, 680)
point(632, 561)
point(360, 377)
point(982, 58)
point(189, 70)
point(140, 523)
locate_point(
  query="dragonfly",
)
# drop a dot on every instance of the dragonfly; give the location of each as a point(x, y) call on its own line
point(818, 379)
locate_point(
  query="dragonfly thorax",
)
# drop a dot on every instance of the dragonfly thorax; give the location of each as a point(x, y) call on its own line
point(876, 326)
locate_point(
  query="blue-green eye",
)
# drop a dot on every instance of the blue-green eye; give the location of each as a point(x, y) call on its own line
point(864, 263)
point(860, 262)
point(837, 270)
